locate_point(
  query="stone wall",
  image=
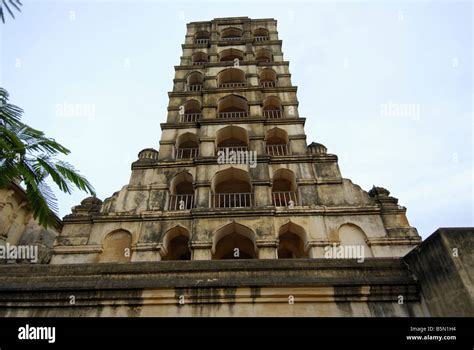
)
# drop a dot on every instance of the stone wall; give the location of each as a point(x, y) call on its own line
point(444, 267)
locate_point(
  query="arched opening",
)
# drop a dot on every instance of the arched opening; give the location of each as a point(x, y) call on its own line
point(268, 78)
point(230, 78)
point(194, 81)
point(191, 112)
point(176, 244)
point(229, 55)
point(353, 236)
point(232, 137)
point(181, 192)
point(231, 188)
point(187, 146)
point(199, 58)
point(232, 106)
point(284, 189)
point(117, 247)
point(201, 37)
point(231, 34)
point(261, 34)
point(277, 144)
point(234, 241)
point(292, 240)
point(272, 107)
point(263, 55)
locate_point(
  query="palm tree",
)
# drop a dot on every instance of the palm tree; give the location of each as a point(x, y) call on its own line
point(5, 4)
point(27, 156)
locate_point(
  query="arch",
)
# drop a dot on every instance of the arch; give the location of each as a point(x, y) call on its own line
point(194, 78)
point(176, 244)
point(272, 107)
point(181, 192)
point(233, 238)
point(284, 188)
point(231, 77)
point(192, 111)
point(277, 136)
point(116, 246)
point(186, 140)
point(231, 188)
point(187, 146)
point(232, 106)
point(277, 142)
point(268, 77)
point(352, 235)
point(202, 34)
point(199, 58)
point(263, 55)
point(231, 33)
point(230, 55)
point(272, 103)
point(292, 241)
point(261, 34)
point(284, 180)
point(231, 180)
point(232, 136)
point(192, 106)
point(182, 183)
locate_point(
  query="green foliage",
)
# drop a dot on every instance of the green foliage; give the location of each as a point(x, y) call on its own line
point(27, 156)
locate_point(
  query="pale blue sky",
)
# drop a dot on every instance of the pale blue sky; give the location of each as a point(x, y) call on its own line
point(117, 58)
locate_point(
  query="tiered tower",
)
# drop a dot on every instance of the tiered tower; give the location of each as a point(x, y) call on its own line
point(234, 177)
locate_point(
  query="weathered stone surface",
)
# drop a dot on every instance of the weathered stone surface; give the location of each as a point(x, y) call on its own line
point(444, 266)
point(159, 246)
point(259, 288)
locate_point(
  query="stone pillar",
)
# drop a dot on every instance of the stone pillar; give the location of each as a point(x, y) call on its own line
point(202, 196)
point(315, 249)
point(148, 252)
point(200, 250)
point(263, 195)
point(267, 249)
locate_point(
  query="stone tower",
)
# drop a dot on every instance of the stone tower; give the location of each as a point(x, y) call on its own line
point(234, 177)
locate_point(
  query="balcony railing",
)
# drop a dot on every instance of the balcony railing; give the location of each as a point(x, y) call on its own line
point(233, 149)
point(199, 63)
point(201, 41)
point(284, 199)
point(268, 84)
point(190, 117)
point(232, 38)
point(273, 113)
point(278, 150)
point(181, 202)
point(261, 38)
point(194, 87)
point(240, 114)
point(232, 85)
point(232, 200)
point(186, 153)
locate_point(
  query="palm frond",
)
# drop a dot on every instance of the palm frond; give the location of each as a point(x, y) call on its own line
point(46, 163)
point(5, 4)
point(42, 202)
point(9, 114)
point(71, 174)
point(28, 156)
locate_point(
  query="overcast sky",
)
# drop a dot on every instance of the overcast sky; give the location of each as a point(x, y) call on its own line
point(385, 86)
